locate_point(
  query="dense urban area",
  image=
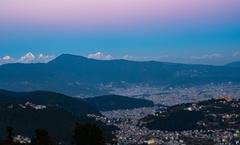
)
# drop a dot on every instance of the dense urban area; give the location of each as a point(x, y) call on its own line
point(130, 132)
point(177, 95)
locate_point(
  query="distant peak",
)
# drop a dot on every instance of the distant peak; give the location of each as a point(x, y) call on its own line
point(100, 56)
point(30, 54)
point(68, 57)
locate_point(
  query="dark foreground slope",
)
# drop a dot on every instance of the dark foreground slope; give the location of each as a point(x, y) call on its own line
point(115, 102)
point(58, 122)
point(57, 114)
point(76, 75)
point(207, 115)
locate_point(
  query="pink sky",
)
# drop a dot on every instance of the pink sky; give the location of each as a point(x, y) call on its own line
point(181, 28)
point(115, 12)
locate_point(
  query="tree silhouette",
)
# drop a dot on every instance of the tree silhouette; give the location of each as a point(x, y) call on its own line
point(42, 138)
point(9, 131)
point(9, 137)
point(88, 134)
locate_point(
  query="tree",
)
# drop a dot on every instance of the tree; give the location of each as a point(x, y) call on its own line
point(9, 137)
point(42, 138)
point(88, 134)
point(9, 131)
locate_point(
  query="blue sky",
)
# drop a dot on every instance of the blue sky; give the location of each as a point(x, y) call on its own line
point(210, 36)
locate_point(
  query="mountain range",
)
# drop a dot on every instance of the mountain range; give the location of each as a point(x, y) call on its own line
point(80, 76)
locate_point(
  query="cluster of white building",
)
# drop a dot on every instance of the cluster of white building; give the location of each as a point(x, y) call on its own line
point(35, 106)
point(21, 139)
point(28, 104)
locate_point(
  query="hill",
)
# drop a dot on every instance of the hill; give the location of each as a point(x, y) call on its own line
point(74, 105)
point(212, 114)
point(58, 122)
point(56, 113)
point(115, 102)
point(80, 76)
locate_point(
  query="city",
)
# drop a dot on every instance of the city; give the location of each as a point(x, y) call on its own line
point(130, 132)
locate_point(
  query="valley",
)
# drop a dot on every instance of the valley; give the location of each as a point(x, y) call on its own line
point(169, 104)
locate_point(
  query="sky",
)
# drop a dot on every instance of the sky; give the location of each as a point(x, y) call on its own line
point(185, 31)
